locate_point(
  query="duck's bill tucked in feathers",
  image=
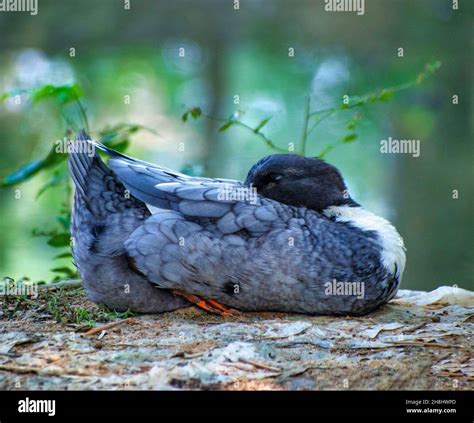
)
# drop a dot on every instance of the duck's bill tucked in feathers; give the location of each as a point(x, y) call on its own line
point(392, 246)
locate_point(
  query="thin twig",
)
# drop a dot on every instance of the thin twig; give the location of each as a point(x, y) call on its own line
point(260, 365)
point(322, 114)
point(83, 114)
point(318, 121)
point(304, 135)
point(426, 344)
point(265, 139)
point(109, 326)
point(361, 100)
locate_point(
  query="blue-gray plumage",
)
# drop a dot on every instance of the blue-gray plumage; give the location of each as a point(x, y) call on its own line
point(103, 218)
point(301, 244)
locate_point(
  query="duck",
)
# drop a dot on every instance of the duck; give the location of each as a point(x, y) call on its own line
point(287, 239)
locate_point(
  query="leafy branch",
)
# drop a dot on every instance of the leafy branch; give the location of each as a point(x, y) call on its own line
point(196, 112)
point(381, 95)
point(313, 118)
point(116, 137)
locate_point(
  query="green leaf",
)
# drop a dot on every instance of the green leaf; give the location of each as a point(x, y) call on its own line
point(226, 126)
point(37, 233)
point(60, 240)
point(353, 122)
point(65, 221)
point(195, 112)
point(120, 145)
point(108, 138)
point(26, 171)
point(372, 98)
point(117, 138)
point(386, 95)
point(63, 94)
point(430, 69)
point(351, 125)
point(261, 125)
point(22, 173)
point(133, 128)
point(433, 66)
point(67, 254)
point(325, 151)
point(350, 137)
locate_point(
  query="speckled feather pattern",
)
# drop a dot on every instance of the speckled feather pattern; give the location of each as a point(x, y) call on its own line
point(102, 219)
point(261, 266)
point(261, 255)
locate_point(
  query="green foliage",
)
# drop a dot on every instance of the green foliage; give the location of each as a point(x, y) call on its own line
point(58, 304)
point(226, 126)
point(261, 125)
point(58, 301)
point(54, 163)
point(13, 300)
point(195, 112)
point(30, 169)
point(59, 240)
point(313, 118)
point(350, 137)
point(63, 94)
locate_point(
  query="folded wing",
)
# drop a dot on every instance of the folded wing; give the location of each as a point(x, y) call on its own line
point(159, 187)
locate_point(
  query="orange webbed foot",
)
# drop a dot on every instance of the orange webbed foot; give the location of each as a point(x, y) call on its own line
point(211, 306)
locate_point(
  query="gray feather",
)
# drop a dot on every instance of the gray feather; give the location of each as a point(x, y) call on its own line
point(102, 219)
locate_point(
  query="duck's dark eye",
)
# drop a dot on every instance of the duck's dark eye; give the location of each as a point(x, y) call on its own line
point(271, 178)
point(267, 181)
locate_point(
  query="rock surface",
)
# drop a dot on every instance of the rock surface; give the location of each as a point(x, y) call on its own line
point(419, 341)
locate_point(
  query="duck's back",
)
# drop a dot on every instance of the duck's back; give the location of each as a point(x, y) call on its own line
point(264, 256)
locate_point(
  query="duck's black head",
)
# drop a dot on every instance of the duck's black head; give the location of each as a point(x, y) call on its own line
point(299, 181)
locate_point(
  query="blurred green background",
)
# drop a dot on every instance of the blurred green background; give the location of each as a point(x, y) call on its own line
point(244, 52)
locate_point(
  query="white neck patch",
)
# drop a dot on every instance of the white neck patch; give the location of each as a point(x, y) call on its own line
point(393, 249)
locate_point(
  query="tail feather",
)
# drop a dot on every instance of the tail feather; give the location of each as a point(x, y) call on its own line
point(82, 158)
point(97, 186)
point(103, 217)
point(87, 171)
